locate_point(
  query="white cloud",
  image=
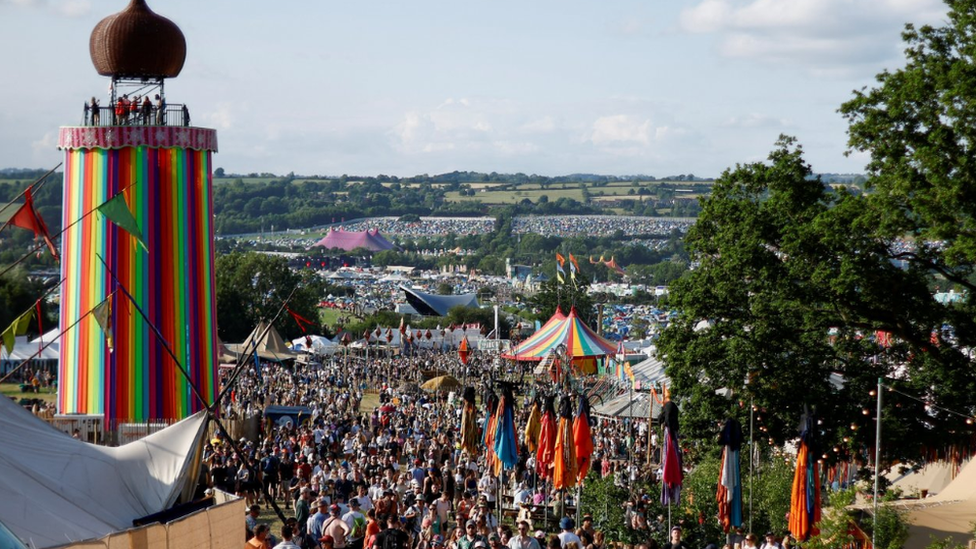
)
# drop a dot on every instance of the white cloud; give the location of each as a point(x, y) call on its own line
point(64, 8)
point(74, 8)
point(223, 116)
point(756, 120)
point(46, 143)
point(463, 123)
point(621, 129)
point(826, 37)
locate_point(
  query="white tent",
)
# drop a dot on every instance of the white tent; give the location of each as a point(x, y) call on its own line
point(320, 344)
point(57, 490)
point(949, 513)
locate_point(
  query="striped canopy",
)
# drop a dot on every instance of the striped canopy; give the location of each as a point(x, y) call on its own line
point(579, 339)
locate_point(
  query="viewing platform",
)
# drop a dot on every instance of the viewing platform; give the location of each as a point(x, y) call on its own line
point(137, 135)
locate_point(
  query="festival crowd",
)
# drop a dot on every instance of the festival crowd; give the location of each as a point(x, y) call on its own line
point(396, 476)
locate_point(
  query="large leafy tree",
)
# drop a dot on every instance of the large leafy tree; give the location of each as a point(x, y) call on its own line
point(253, 286)
point(791, 286)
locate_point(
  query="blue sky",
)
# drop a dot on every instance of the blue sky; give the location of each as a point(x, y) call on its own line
point(657, 87)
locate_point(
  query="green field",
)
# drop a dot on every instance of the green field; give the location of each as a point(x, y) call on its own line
point(13, 390)
point(329, 317)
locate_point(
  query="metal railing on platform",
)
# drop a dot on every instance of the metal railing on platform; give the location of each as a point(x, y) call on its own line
point(137, 115)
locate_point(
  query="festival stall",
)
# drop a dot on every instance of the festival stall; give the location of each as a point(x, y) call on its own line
point(583, 345)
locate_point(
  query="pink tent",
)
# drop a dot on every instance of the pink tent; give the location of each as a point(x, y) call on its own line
point(372, 240)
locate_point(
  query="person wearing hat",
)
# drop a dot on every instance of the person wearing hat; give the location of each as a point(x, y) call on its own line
point(327, 542)
point(588, 525)
point(470, 537)
point(676, 541)
point(356, 521)
point(315, 522)
point(522, 540)
point(494, 541)
point(336, 527)
point(567, 535)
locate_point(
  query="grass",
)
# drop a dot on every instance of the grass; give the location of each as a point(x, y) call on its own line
point(329, 317)
point(13, 390)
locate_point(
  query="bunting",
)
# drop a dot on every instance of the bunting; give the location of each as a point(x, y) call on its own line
point(117, 211)
point(17, 328)
point(103, 316)
point(27, 218)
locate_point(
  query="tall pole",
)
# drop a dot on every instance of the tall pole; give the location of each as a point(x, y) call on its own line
point(877, 468)
point(752, 454)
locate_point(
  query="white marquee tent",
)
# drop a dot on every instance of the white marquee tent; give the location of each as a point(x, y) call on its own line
point(58, 490)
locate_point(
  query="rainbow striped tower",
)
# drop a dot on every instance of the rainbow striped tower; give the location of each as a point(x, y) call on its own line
point(163, 167)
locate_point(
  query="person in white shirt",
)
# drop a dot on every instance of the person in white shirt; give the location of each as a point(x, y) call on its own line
point(770, 542)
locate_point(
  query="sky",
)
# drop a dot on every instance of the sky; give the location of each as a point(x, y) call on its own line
point(549, 87)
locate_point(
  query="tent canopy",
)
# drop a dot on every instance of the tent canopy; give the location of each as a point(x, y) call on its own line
point(624, 406)
point(650, 372)
point(58, 490)
point(372, 240)
point(270, 346)
point(437, 305)
point(579, 339)
point(320, 344)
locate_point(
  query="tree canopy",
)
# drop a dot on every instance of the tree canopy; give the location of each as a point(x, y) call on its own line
point(798, 285)
point(253, 286)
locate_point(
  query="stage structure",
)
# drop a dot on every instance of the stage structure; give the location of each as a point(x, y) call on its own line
point(144, 148)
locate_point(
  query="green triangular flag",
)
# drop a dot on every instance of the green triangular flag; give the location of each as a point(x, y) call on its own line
point(103, 315)
point(117, 211)
point(17, 328)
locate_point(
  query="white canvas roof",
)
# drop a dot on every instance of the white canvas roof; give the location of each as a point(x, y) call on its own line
point(56, 490)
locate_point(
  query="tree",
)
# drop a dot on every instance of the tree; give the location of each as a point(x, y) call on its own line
point(794, 282)
point(18, 294)
point(252, 287)
point(917, 126)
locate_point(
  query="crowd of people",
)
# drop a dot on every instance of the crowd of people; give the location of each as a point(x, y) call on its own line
point(425, 226)
point(589, 225)
point(394, 475)
point(138, 110)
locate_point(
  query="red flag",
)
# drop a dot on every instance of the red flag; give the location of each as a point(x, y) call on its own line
point(402, 326)
point(464, 350)
point(28, 218)
point(299, 319)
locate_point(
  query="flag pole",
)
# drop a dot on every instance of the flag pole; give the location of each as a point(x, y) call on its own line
point(189, 380)
point(877, 468)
